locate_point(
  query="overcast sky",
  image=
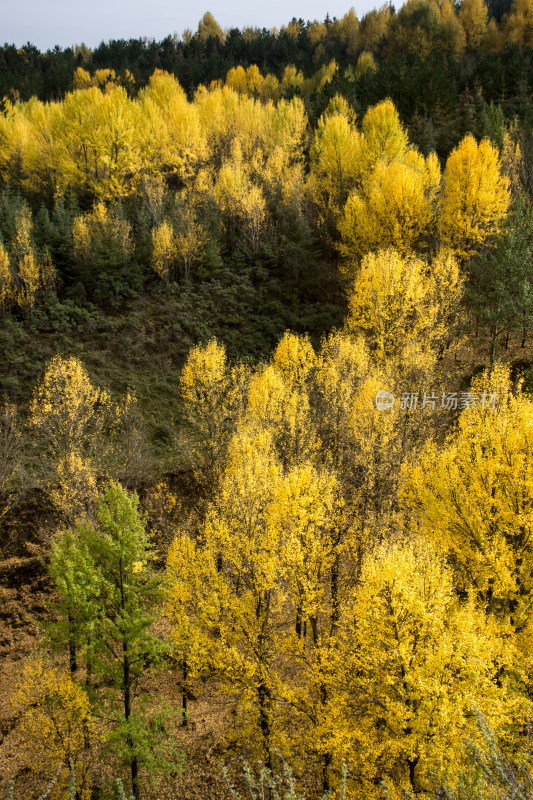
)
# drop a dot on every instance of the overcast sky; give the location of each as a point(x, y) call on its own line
point(46, 23)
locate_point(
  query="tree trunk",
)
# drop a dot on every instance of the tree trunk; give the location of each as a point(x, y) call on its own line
point(72, 645)
point(264, 697)
point(335, 592)
point(494, 339)
point(325, 773)
point(299, 623)
point(134, 765)
point(184, 692)
point(412, 762)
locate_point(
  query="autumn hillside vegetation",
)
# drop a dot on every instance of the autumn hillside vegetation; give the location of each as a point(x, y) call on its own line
point(266, 422)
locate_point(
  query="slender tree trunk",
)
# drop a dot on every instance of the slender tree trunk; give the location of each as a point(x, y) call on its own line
point(325, 772)
point(89, 664)
point(72, 645)
point(494, 340)
point(264, 698)
point(328, 757)
point(184, 692)
point(127, 685)
point(299, 623)
point(134, 764)
point(412, 762)
point(335, 592)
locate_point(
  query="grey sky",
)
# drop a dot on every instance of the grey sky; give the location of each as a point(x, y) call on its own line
point(46, 23)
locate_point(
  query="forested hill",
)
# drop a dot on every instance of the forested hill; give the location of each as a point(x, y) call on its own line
point(266, 413)
point(442, 67)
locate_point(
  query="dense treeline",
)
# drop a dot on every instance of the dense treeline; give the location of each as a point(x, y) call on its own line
point(446, 60)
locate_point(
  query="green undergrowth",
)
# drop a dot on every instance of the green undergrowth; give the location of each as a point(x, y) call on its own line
point(143, 345)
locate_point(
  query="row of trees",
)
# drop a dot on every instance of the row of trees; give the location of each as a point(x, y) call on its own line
point(421, 27)
point(225, 177)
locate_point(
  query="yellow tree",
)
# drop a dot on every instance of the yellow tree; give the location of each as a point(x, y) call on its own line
point(397, 301)
point(15, 133)
point(98, 142)
point(409, 673)
point(343, 364)
point(385, 138)
point(474, 17)
point(393, 208)
point(424, 27)
point(208, 28)
point(24, 261)
point(475, 199)
point(365, 65)
point(103, 244)
point(365, 446)
point(67, 408)
point(56, 729)
point(346, 29)
point(243, 204)
point(474, 498)
point(213, 394)
point(164, 251)
point(373, 28)
point(7, 283)
point(306, 514)
point(71, 415)
point(518, 27)
point(335, 167)
point(172, 140)
point(40, 151)
point(284, 410)
point(242, 612)
point(295, 358)
point(190, 242)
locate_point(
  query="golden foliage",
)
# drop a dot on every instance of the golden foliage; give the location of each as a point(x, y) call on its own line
point(474, 17)
point(24, 261)
point(102, 238)
point(365, 65)
point(397, 301)
point(213, 395)
point(392, 209)
point(164, 250)
point(518, 26)
point(75, 421)
point(55, 728)
point(7, 283)
point(295, 358)
point(392, 203)
point(473, 498)
point(412, 668)
point(283, 409)
point(476, 197)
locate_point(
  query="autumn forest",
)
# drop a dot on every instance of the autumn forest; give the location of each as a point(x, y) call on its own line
point(266, 411)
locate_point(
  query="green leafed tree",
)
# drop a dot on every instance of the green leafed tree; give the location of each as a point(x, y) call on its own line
point(106, 585)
